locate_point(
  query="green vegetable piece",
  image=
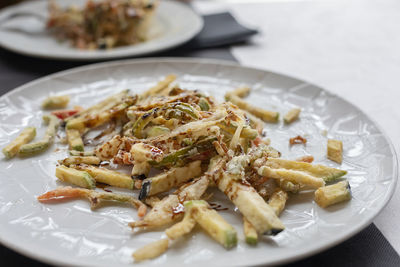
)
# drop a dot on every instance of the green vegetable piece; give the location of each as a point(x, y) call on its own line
point(157, 130)
point(74, 140)
point(250, 233)
point(245, 133)
point(203, 104)
point(42, 145)
point(180, 157)
point(213, 223)
point(27, 135)
point(328, 174)
point(81, 153)
point(188, 109)
point(109, 177)
point(80, 178)
point(141, 123)
point(33, 148)
point(74, 160)
point(53, 102)
point(332, 194)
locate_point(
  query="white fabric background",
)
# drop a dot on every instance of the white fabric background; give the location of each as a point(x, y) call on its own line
point(351, 48)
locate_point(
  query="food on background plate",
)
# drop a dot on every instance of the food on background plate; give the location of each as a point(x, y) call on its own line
point(102, 24)
point(194, 143)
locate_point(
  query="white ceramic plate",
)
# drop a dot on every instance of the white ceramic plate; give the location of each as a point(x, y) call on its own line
point(70, 233)
point(174, 24)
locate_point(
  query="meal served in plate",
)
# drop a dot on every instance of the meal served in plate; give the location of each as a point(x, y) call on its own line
point(102, 24)
point(178, 143)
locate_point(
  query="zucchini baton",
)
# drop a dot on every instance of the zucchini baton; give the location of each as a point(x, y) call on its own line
point(27, 135)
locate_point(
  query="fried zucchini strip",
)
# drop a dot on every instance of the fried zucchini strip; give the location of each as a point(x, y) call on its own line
point(109, 149)
point(107, 103)
point(332, 194)
point(265, 115)
point(213, 223)
point(101, 117)
point(74, 138)
point(250, 233)
point(183, 227)
point(278, 201)
point(335, 150)
point(296, 177)
point(151, 251)
point(55, 102)
point(292, 115)
point(81, 153)
point(75, 160)
point(93, 196)
point(170, 208)
point(26, 135)
point(107, 176)
point(241, 92)
point(159, 86)
point(35, 148)
point(77, 177)
point(249, 203)
point(302, 173)
point(169, 179)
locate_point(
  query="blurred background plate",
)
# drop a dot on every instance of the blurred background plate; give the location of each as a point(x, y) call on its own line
point(174, 24)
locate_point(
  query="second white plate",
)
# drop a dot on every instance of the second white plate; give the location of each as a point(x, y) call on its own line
point(174, 24)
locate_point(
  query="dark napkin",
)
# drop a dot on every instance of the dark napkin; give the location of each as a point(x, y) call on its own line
point(220, 29)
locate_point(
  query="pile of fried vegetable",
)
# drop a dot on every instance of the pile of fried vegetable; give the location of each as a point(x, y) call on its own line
point(194, 143)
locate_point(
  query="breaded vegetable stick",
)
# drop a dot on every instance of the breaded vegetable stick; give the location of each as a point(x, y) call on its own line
point(183, 227)
point(297, 177)
point(93, 196)
point(27, 135)
point(74, 140)
point(250, 233)
point(265, 115)
point(80, 178)
point(75, 160)
point(169, 179)
point(213, 223)
point(170, 209)
point(241, 92)
point(151, 251)
point(292, 115)
point(335, 150)
point(249, 202)
point(55, 102)
point(278, 200)
point(328, 174)
point(107, 176)
point(40, 146)
point(160, 86)
point(101, 117)
point(332, 194)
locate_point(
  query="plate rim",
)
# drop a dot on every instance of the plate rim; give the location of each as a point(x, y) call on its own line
point(297, 256)
point(113, 54)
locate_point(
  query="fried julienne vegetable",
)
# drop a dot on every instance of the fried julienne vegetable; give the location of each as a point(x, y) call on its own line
point(170, 145)
point(24, 137)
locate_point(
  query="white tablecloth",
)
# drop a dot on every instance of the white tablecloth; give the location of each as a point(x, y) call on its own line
point(351, 48)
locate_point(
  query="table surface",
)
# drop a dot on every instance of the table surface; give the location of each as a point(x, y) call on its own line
point(347, 47)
